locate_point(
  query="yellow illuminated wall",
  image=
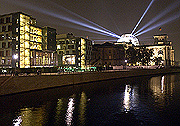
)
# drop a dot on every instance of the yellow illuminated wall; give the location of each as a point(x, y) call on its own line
point(165, 52)
point(83, 52)
point(30, 38)
point(24, 41)
point(36, 38)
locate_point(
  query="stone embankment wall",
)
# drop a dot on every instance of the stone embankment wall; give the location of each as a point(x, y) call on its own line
point(17, 84)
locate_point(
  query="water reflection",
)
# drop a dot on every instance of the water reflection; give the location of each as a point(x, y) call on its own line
point(69, 113)
point(162, 89)
point(141, 99)
point(30, 117)
point(17, 122)
point(131, 98)
point(59, 112)
point(127, 97)
point(82, 108)
point(162, 84)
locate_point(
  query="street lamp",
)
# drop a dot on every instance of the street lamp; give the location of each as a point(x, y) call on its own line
point(15, 56)
point(125, 63)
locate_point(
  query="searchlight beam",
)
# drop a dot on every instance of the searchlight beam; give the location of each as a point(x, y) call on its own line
point(142, 16)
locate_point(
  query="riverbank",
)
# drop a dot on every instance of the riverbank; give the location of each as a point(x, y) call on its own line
point(17, 84)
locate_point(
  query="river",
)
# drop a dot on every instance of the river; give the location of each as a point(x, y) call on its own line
point(129, 101)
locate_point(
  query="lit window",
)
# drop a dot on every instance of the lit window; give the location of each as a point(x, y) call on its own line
point(16, 29)
point(58, 46)
point(3, 61)
point(9, 61)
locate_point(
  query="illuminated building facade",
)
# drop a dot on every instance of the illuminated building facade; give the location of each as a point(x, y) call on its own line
point(73, 52)
point(22, 43)
point(162, 51)
point(107, 54)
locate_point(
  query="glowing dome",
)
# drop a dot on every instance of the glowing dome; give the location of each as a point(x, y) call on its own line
point(128, 38)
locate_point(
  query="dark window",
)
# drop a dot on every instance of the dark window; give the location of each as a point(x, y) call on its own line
point(3, 45)
point(160, 52)
point(7, 52)
point(60, 52)
point(9, 28)
point(9, 44)
point(74, 52)
point(1, 20)
point(61, 42)
point(8, 20)
point(70, 46)
point(1, 53)
point(3, 28)
point(7, 36)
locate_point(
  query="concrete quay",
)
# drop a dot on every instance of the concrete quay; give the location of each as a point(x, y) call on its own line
point(18, 84)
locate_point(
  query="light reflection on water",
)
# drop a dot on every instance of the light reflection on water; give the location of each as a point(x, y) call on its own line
point(142, 101)
point(30, 117)
point(82, 109)
point(59, 114)
point(162, 90)
point(127, 98)
point(69, 114)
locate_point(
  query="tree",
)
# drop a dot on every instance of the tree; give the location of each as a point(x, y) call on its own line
point(131, 55)
point(144, 55)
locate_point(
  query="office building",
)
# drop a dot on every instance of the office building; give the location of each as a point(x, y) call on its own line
point(73, 52)
point(23, 44)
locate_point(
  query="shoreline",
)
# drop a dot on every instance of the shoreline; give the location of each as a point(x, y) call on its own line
point(18, 84)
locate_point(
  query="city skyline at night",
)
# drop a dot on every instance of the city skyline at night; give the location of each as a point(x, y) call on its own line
point(104, 20)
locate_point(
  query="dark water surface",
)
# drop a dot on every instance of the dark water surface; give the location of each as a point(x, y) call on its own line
point(132, 101)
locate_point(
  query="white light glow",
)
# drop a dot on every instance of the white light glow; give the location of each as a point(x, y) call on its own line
point(69, 114)
point(128, 38)
point(15, 56)
point(127, 97)
point(162, 84)
point(69, 59)
point(17, 122)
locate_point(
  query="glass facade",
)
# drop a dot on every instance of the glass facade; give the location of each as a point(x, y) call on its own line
point(20, 37)
point(73, 51)
point(24, 41)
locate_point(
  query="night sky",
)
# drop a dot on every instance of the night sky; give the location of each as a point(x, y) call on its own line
point(118, 16)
